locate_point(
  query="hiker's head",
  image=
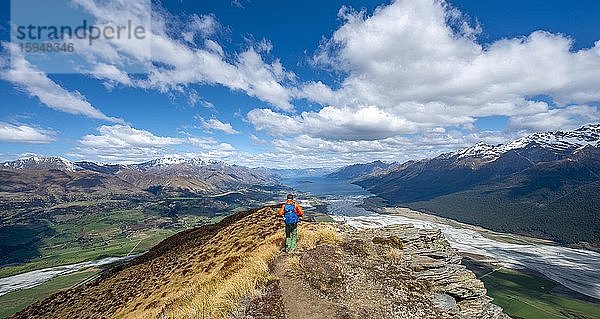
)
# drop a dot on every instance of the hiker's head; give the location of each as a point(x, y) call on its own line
point(290, 197)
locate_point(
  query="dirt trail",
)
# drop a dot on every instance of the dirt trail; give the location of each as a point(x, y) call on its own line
point(301, 300)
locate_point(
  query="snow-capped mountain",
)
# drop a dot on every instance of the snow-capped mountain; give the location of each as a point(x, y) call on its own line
point(169, 172)
point(39, 162)
point(544, 184)
point(559, 142)
point(175, 160)
point(164, 161)
point(480, 163)
point(59, 163)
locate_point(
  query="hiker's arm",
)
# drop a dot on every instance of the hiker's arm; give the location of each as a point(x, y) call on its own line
point(299, 210)
point(281, 210)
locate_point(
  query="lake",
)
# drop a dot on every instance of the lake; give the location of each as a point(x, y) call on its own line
point(342, 198)
point(325, 186)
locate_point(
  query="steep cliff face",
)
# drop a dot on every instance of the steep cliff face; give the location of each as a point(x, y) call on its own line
point(235, 269)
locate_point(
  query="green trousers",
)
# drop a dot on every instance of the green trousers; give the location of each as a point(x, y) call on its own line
point(291, 234)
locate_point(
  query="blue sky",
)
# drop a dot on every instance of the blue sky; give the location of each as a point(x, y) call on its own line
point(298, 84)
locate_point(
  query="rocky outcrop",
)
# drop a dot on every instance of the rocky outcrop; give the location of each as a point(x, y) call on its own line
point(456, 290)
point(422, 260)
point(393, 272)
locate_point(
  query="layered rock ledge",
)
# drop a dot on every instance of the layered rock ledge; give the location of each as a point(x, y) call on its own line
point(392, 272)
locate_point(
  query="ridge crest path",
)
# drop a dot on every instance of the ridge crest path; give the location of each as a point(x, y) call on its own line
point(300, 300)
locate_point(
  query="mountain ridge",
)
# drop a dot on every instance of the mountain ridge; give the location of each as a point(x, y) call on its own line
point(559, 141)
point(491, 186)
point(171, 173)
point(207, 272)
point(57, 162)
point(356, 170)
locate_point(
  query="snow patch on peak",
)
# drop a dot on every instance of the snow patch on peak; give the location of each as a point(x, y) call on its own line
point(169, 160)
point(590, 127)
point(558, 141)
point(41, 162)
point(176, 160)
point(479, 150)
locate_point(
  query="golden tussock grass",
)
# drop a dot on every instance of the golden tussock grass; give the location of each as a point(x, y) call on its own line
point(234, 265)
point(218, 296)
point(311, 235)
point(395, 255)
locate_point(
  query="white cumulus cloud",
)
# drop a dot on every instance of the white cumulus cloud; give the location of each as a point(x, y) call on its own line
point(22, 133)
point(124, 136)
point(37, 84)
point(172, 64)
point(126, 144)
point(420, 64)
point(214, 124)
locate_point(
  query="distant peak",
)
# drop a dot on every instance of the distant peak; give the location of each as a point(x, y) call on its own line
point(177, 160)
point(41, 162)
point(479, 149)
point(553, 140)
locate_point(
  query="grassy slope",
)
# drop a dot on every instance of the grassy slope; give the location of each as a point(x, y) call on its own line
point(528, 296)
point(207, 270)
point(84, 231)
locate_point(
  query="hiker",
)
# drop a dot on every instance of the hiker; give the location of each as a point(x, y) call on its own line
point(290, 211)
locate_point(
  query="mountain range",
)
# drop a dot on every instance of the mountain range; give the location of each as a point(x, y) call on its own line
point(51, 207)
point(357, 170)
point(55, 175)
point(544, 184)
